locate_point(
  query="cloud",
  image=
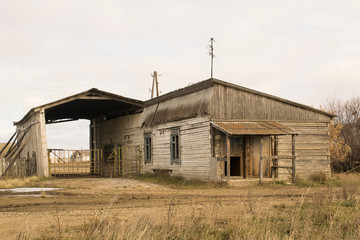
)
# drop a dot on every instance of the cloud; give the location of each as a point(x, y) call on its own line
point(301, 50)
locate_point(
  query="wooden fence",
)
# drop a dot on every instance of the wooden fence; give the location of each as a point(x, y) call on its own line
point(120, 161)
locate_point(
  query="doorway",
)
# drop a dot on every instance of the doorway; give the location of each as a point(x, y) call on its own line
point(235, 166)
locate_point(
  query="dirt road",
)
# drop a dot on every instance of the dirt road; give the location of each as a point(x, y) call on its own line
point(82, 199)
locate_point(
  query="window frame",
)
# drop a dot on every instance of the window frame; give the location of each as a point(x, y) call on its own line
point(175, 153)
point(147, 152)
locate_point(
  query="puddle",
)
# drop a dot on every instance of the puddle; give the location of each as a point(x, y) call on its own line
point(29, 192)
point(25, 195)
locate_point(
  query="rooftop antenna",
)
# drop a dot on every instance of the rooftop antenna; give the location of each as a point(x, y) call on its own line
point(155, 83)
point(211, 53)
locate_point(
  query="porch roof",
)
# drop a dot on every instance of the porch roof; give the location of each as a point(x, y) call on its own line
point(254, 128)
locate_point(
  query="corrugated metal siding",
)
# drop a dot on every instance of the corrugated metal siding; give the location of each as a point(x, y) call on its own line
point(183, 107)
point(254, 128)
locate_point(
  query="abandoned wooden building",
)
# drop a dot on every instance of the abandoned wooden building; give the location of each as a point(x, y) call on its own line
point(211, 130)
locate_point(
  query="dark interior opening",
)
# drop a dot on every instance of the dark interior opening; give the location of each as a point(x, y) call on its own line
point(234, 166)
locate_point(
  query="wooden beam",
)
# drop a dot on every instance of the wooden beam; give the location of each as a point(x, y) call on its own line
point(261, 160)
point(61, 120)
point(3, 149)
point(43, 167)
point(293, 157)
point(247, 158)
point(276, 153)
point(279, 157)
point(249, 154)
point(242, 144)
point(228, 158)
point(94, 98)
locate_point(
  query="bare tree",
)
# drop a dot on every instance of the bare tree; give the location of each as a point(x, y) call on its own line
point(348, 120)
point(348, 112)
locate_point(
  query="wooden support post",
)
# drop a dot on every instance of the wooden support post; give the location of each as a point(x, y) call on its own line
point(276, 150)
point(261, 160)
point(293, 157)
point(49, 163)
point(228, 158)
point(242, 144)
point(248, 158)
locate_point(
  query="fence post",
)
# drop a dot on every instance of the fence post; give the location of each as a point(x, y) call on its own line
point(293, 157)
point(140, 157)
point(49, 162)
point(261, 160)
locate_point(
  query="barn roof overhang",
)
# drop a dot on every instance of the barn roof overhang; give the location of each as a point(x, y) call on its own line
point(259, 128)
point(87, 105)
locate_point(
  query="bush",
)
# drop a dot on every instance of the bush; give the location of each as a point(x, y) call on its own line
point(319, 177)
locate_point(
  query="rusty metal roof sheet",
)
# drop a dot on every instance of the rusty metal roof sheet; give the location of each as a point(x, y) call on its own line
point(178, 108)
point(254, 128)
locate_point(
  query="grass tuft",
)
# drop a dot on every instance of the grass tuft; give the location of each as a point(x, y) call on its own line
point(177, 181)
point(21, 182)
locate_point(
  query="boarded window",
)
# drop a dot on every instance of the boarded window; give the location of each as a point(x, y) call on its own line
point(147, 148)
point(175, 147)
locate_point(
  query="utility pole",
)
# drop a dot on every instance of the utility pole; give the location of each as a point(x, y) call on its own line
point(211, 53)
point(155, 83)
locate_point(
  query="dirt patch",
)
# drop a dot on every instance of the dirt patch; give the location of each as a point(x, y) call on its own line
point(83, 198)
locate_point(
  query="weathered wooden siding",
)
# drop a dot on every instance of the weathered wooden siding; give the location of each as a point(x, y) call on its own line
point(122, 131)
point(312, 148)
point(255, 145)
point(232, 103)
point(32, 151)
point(195, 148)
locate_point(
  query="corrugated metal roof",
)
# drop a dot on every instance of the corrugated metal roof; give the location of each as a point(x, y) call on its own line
point(183, 107)
point(254, 128)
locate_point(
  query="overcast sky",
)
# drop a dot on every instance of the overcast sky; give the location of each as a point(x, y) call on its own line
point(304, 51)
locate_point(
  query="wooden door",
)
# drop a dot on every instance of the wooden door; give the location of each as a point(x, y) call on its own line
point(252, 156)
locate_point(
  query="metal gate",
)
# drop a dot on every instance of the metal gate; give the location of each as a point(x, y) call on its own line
point(120, 161)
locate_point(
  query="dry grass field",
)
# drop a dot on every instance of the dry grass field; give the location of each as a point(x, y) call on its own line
point(151, 208)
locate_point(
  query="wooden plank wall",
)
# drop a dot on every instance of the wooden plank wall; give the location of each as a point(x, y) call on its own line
point(312, 145)
point(195, 148)
point(231, 103)
point(312, 149)
point(124, 131)
point(33, 156)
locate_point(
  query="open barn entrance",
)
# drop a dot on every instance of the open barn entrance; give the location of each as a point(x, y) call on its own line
point(67, 155)
point(68, 149)
point(68, 135)
point(88, 110)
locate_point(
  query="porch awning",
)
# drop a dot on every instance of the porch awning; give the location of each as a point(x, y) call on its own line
point(254, 128)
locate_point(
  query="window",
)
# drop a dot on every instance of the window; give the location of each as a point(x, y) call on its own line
point(174, 147)
point(147, 148)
